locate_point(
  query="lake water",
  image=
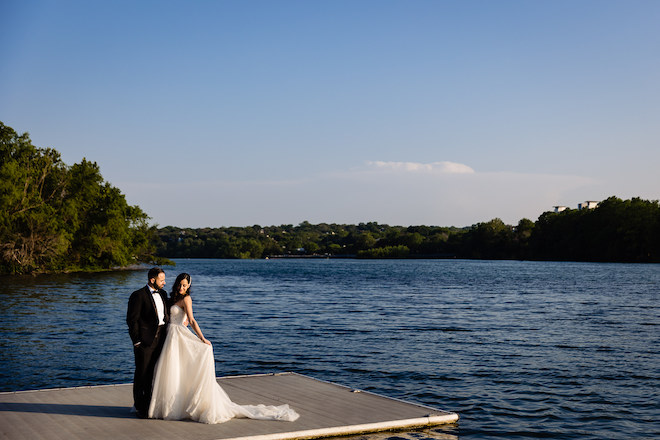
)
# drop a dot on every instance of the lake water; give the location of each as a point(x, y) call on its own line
point(518, 349)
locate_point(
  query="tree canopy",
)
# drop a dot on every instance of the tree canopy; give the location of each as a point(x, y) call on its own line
point(55, 217)
point(616, 231)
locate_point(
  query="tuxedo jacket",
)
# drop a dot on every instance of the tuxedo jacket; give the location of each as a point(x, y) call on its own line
point(142, 316)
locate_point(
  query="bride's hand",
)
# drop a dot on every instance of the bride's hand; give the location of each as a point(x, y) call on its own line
point(206, 341)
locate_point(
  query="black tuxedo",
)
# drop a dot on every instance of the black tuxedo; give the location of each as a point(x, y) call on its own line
point(148, 338)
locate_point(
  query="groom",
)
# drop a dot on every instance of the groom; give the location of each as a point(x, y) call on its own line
point(147, 318)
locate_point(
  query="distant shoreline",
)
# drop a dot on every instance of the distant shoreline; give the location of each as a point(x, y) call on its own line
point(357, 257)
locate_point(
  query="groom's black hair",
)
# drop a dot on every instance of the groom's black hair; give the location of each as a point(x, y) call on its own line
point(154, 272)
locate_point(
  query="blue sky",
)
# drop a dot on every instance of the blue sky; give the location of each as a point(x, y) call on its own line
point(235, 113)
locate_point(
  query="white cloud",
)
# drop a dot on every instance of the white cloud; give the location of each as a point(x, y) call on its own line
point(437, 167)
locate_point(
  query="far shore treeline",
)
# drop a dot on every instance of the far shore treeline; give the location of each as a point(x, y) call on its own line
point(59, 218)
point(616, 231)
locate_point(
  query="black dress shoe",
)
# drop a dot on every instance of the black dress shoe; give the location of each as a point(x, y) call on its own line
point(140, 415)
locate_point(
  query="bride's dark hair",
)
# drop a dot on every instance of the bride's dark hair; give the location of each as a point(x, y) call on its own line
point(175, 296)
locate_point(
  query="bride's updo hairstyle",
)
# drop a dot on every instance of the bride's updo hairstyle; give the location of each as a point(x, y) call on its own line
point(175, 296)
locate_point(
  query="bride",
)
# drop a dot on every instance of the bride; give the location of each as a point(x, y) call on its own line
point(184, 384)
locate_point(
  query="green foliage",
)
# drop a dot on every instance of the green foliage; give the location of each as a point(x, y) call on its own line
point(59, 218)
point(615, 231)
point(370, 240)
point(490, 240)
point(399, 251)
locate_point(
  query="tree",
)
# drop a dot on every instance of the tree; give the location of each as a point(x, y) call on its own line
point(364, 240)
point(54, 217)
point(32, 182)
point(490, 240)
point(522, 234)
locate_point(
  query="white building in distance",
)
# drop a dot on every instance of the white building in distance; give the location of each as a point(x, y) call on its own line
point(589, 204)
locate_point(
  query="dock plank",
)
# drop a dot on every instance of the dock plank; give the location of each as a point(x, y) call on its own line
point(103, 412)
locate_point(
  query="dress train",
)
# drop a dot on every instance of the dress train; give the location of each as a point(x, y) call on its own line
point(185, 386)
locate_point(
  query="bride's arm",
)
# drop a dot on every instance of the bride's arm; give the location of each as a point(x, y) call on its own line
point(187, 306)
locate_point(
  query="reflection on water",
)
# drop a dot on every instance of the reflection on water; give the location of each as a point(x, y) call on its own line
point(444, 432)
point(518, 349)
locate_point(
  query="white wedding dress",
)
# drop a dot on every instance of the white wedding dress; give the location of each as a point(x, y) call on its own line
point(185, 387)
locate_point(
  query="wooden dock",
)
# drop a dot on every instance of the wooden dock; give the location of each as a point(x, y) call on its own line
point(104, 412)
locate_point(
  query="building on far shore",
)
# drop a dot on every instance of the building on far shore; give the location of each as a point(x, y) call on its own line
point(589, 204)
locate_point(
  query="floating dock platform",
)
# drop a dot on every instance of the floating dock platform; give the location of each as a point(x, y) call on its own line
point(104, 412)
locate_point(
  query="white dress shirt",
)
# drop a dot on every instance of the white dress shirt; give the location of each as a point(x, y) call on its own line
point(160, 307)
